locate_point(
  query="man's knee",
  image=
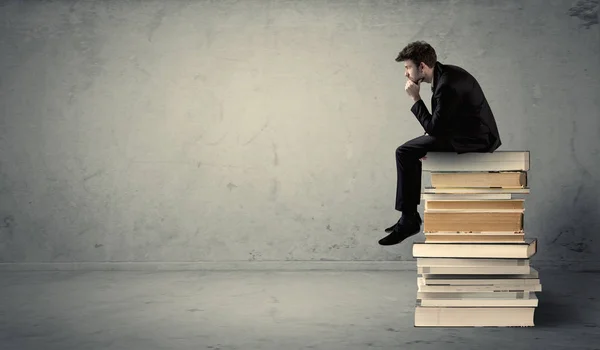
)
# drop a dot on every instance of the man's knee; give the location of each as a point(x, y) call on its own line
point(416, 148)
point(402, 149)
point(412, 145)
point(408, 153)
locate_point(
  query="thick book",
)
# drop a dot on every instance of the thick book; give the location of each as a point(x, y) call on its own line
point(426, 316)
point(473, 220)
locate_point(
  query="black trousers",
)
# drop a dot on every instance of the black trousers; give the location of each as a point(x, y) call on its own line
point(409, 168)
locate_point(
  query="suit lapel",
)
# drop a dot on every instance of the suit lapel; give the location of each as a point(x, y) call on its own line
point(437, 72)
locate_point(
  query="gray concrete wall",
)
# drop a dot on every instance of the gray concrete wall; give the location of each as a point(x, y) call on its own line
point(266, 130)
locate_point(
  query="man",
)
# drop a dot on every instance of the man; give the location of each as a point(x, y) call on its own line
point(461, 121)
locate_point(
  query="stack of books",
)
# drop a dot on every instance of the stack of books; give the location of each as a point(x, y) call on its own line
point(473, 269)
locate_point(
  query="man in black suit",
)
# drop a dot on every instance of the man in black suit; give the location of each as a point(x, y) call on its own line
point(461, 122)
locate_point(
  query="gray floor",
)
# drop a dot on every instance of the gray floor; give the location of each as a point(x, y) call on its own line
point(268, 310)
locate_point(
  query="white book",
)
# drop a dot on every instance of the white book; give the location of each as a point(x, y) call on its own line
point(496, 161)
point(474, 270)
point(457, 266)
point(421, 262)
point(477, 299)
point(482, 280)
point(516, 285)
point(473, 190)
point(511, 250)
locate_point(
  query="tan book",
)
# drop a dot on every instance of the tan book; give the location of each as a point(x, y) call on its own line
point(523, 250)
point(484, 179)
point(496, 161)
point(472, 220)
point(482, 233)
point(467, 196)
point(474, 316)
point(493, 204)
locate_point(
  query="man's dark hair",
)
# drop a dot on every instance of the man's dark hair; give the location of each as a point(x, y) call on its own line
point(418, 51)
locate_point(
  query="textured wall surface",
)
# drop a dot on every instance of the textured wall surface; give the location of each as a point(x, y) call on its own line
point(266, 130)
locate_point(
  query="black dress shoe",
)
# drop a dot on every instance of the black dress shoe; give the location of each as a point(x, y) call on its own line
point(391, 228)
point(408, 225)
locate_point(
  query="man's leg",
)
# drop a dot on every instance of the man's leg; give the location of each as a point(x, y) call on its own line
point(409, 169)
point(408, 186)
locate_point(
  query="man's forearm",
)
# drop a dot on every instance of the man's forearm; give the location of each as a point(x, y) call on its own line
point(420, 111)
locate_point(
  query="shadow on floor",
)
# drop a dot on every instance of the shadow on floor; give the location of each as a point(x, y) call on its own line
point(568, 299)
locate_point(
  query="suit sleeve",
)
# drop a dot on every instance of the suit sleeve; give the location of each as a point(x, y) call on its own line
point(437, 124)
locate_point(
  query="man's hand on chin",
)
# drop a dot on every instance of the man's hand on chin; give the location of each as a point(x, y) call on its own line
point(412, 89)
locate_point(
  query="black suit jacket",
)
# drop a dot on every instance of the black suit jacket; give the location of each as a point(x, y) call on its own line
point(461, 113)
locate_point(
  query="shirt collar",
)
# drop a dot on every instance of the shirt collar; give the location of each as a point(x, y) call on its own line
point(437, 73)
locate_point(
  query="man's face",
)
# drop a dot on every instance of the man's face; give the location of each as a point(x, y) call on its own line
point(412, 72)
